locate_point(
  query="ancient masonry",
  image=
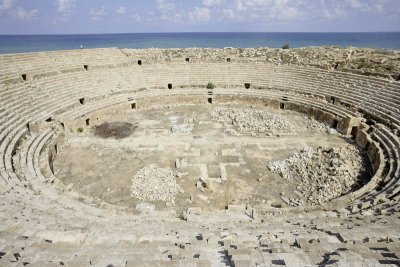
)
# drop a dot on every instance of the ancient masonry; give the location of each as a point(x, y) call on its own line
point(46, 97)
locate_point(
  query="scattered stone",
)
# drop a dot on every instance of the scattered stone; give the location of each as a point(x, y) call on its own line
point(253, 122)
point(69, 187)
point(155, 184)
point(199, 184)
point(332, 131)
point(236, 207)
point(203, 197)
point(182, 128)
point(194, 210)
point(315, 126)
point(321, 174)
point(286, 200)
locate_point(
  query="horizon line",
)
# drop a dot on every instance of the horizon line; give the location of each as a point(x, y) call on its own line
point(183, 32)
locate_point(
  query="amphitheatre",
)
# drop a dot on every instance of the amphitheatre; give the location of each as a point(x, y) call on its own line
point(200, 157)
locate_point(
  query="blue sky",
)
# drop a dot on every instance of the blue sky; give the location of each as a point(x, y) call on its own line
point(121, 16)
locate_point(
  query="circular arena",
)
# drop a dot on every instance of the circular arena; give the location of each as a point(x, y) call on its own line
point(197, 157)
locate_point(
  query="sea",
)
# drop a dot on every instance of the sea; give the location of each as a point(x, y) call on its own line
point(37, 43)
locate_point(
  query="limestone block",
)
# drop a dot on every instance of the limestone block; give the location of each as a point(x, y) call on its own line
point(33, 127)
point(348, 123)
point(194, 211)
point(236, 207)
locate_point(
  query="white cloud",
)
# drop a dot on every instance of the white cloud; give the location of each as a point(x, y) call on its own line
point(177, 18)
point(121, 10)
point(169, 12)
point(25, 14)
point(98, 13)
point(6, 4)
point(240, 6)
point(229, 13)
point(271, 9)
point(328, 14)
point(356, 4)
point(378, 8)
point(163, 6)
point(255, 16)
point(64, 6)
point(200, 14)
point(136, 17)
point(286, 13)
point(212, 2)
point(331, 11)
point(340, 12)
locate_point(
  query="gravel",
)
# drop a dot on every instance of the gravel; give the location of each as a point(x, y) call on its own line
point(316, 126)
point(253, 121)
point(320, 174)
point(155, 184)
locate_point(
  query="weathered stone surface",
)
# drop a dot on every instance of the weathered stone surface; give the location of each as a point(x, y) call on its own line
point(43, 224)
point(155, 184)
point(252, 121)
point(145, 207)
point(320, 174)
point(367, 61)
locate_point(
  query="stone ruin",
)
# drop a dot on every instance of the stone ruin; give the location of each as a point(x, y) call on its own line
point(48, 98)
point(155, 184)
point(253, 122)
point(321, 174)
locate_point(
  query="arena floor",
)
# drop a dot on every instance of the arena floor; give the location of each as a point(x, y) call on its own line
point(202, 155)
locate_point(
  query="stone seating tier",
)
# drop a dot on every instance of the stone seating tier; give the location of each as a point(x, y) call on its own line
point(42, 224)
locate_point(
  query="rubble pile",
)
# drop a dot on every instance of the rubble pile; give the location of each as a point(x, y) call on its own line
point(253, 121)
point(321, 174)
point(155, 184)
point(319, 127)
point(316, 126)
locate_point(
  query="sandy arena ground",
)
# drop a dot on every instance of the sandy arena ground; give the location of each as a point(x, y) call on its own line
point(204, 148)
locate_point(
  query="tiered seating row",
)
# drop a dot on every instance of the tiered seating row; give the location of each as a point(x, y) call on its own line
point(296, 240)
point(14, 65)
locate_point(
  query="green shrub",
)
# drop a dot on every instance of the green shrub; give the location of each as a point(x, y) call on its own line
point(210, 86)
point(80, 129)
point(286, 46)
point(278, 206)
